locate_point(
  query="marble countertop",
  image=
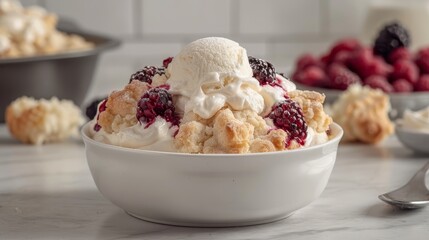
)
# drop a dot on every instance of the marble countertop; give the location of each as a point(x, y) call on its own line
point(46, 192)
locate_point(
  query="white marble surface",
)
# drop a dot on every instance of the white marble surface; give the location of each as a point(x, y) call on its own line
point(47, 192)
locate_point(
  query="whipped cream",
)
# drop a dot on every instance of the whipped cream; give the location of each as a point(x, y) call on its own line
point(213, 72)
point(157, 137)
point(315, 138)
point(418, 120)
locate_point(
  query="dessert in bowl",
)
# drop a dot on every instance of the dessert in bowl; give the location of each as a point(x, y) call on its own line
point(212, 138)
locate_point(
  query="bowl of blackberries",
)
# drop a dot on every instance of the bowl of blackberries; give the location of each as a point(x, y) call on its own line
point(388, 65)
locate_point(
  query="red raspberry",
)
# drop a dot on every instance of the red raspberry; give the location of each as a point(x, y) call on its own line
point(379, 82)
point(312, 76)
point(287, 115)
point(342, 57)
point(361, 59)
point(401, 53)
point(305, 61)
point(402, 85)
point(263, 71)
point(347, 45)
point(344, 45)
point(166, 62)
point(102, 107)
point(423, 83)
point(341, 78)
point(156, 102)
point(405, 69)
point(147, 73)
point(422, 60)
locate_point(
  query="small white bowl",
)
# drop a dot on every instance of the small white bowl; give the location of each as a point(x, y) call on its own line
point(417, 141)
point(211, 190)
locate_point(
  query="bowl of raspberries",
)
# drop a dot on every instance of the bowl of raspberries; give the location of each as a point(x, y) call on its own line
point(388, 65)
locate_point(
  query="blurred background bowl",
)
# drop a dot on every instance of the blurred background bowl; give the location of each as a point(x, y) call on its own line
point(65, 75)
point(399, 102)
point(413, 139)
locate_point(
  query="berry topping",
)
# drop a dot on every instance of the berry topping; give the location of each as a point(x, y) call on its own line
point(401, 53)
point(91, 109)
point(379, 82)
point(101, 109)
point(341, 78)
point(312, 76)
point(263, 71)
point(287, 115)
point(156, 102)
point(405, 69)
point(392, 36)
point(147, 73)
point(305, 61)
point(423, 83)
point(402, 85)
point(166, 62)
point(422, 60)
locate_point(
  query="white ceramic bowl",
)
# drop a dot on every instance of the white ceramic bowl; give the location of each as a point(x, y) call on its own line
point(211, 189)
point(399, 101)
point(417, 141)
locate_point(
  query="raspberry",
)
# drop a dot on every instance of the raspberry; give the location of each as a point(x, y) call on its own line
point(312, 76)
point(156, 102)
point(346, 45)
point(402, 85)
point(405, 69)
point(341, 78)
point(305, 61)
point(361, 59)
point(379, 82)
point(287, 115)
point(91, 109)
point(401, 53)
point(101, 109)
point(166, 62)
point(422, 60)
point(263, 71)
point(423, 83)
point(147, 73)
point(392, 36)
point(342, 57)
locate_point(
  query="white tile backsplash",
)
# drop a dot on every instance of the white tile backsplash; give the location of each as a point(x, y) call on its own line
point(346, 17)
point(112, 17)
point(279, 17)
point(166, 17)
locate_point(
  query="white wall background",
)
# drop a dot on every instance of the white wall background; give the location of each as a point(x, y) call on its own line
point(151, 30)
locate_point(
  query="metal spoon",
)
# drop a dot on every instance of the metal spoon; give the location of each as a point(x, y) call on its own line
point(412, 195)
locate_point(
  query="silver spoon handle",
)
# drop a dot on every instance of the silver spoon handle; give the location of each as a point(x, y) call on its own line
point(420, 175)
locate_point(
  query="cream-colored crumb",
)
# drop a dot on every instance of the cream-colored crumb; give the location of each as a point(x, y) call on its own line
point(40, 121)
point(121, 107)
point(362, 112)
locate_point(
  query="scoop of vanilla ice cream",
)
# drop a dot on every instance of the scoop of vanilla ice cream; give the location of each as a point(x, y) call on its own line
point(212, 72)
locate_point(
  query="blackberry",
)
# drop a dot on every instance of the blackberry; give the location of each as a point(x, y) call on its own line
point(392, 36)
point(156, 102)
point(263, 71)
point(287, 115)
point(91, 109)
point(147, 73)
